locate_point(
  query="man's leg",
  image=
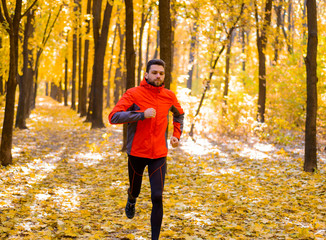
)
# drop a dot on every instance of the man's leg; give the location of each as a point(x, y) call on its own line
point(156, 172)
point(136, 168)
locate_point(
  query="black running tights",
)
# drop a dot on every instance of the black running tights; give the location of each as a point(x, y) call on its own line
point(156, 172)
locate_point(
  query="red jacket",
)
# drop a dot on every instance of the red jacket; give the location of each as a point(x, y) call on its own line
point(147, 137)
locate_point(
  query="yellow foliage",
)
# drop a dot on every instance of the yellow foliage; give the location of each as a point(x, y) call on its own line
point(70, 182)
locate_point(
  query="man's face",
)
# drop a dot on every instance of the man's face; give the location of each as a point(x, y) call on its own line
point(155, 75)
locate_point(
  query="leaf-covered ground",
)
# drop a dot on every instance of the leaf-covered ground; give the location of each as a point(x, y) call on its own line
point(70, 182)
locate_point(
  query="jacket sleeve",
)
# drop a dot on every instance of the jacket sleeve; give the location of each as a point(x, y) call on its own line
point(178, 116)
point(125, 111)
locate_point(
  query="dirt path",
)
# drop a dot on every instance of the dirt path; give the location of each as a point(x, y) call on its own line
point(70, 182)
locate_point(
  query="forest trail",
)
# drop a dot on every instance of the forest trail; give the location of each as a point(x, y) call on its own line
point(70, 182)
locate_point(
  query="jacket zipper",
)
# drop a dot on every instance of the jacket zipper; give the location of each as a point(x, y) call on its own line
point(155, 120)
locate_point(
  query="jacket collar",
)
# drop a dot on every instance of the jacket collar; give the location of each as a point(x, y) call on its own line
point(145, 84)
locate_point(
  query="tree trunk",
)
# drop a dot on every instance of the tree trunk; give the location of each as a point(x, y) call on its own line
point(7, 130)
point(130, 51)
point(74, 59)
point(191, 66)
point(156, 53)
point(108, 93)
point(141, 32)
point(243, 48)
point(79, 55)
point(227, 71)
point(100, 42)
point(130, 57)
point(148, 39)
point(261, 45)
point(27, 78)
point(83, 92)
point(166, 39)
point(12, 27)
point(310, 162)
point(65, 95)
point(118, 79)
point(1, 77)
point(278, 11)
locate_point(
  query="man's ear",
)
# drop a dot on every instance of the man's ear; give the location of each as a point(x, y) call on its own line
point(146, 75)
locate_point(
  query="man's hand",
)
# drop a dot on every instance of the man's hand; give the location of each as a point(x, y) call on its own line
point(150, 113)
point(174, 142)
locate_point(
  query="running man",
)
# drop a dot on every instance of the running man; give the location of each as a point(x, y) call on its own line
point(145, 108)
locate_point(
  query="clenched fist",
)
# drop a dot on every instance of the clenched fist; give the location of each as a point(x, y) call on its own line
point(150, 113)
point(174, 142)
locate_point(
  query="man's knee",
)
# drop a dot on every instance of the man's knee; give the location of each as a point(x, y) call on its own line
point(157, 197)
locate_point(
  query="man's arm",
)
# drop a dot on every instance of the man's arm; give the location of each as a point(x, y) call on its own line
point(126, 111)
point(178, 116)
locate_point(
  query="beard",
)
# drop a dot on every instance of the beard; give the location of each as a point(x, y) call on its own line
point(155, 82)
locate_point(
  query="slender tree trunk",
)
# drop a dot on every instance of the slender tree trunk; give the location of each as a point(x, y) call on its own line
point(27, 78)
point(310, 163)
point(79, 55)
point(100, 42)
point(227, 71)
point(130, 51)
point(108, 93)
point(118, 79)
point(83, 98)
point(261, 45)
point(130, 57)
point(156, 53)
point(193, 42)
point(1, 77)
point(74, 60)
point(140, 50)
point(66, 83)
point(173, 27)
point(278, 11)
point(148, 40)
point(166, 39)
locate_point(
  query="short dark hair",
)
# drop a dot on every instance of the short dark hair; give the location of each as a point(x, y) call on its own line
point(154, 62)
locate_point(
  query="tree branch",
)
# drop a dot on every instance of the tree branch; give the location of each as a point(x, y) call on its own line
point(51, 28)
point(28, 9)
point(2, 19)
point(6, 13)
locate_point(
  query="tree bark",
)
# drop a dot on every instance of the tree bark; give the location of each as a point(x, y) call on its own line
point(130, 57)
point(79, 55)
point(74, 59)
point(310, 162)
point(12, 27)
point(27, 78)
point(118, 79)
point(261, 45)
point(83, 92)
point(227, 71)
point(1, 77)
point(156, 53)
point(144, 18)
point(191, 66)
point(108, 93)
point(166, 39)
point(100, 42)
point(65, 94)
point(278, 11)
